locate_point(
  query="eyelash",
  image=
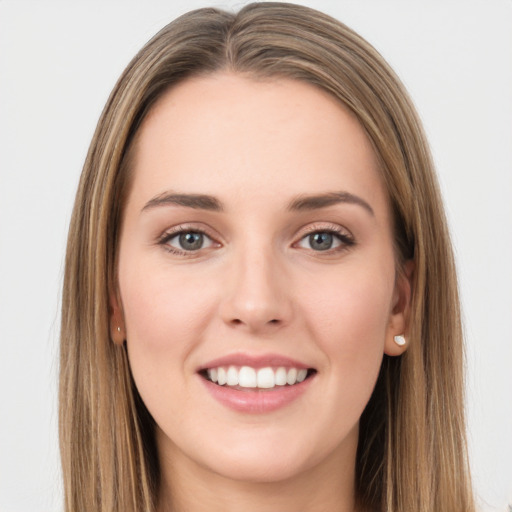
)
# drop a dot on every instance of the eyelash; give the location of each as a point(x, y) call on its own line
point(181, 230)
point(346, 240)
point(341, 234)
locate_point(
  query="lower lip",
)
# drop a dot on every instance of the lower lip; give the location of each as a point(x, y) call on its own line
point(257, 401)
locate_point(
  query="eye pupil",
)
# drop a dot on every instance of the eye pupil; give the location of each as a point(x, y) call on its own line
point(191, 241)
point(321, 241)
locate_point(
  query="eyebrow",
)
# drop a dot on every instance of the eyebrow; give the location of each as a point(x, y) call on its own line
point(314, 202)
point(196, 201)
point(301, 203)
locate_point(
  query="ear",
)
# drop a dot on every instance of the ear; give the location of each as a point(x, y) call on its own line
point(117, 328)
point(401, 308)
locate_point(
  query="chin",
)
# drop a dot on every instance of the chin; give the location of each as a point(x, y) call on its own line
point(264, 459)
point(261, 469)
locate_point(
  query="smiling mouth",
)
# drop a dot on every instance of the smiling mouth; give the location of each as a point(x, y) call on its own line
point(246, 378)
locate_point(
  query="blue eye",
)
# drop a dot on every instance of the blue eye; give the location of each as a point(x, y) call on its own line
point(321, 241)
point(191, 241)
point(188, 241)
point(325, 240)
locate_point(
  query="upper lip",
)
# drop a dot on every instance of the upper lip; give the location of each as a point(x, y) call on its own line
point(254, 361)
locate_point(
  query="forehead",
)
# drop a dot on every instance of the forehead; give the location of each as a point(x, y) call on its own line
point(233, 136)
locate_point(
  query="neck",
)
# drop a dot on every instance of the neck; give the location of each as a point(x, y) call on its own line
point(326, 487)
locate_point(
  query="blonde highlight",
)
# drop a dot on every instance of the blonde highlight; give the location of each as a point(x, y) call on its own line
point(412, 450)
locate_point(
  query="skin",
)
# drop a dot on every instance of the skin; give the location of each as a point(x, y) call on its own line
point(257, 286)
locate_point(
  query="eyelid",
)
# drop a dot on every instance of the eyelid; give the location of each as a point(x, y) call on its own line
point(324, 226)
point(175, 231)
point(343, 234)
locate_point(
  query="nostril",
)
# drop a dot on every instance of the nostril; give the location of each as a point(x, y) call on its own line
point(237, 321)
point(255, 322)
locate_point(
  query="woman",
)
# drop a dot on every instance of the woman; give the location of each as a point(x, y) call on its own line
point(260, 306)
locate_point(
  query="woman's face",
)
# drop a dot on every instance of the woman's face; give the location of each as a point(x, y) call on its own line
point(256, 248)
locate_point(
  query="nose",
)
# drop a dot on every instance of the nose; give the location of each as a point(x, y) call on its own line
point(257, 295)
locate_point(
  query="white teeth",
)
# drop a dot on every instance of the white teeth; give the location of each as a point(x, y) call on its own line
point(301, 375)
point(247, 377)
point(212, 374)
point(291, 376)
point(266, 378)
point(221, 376)
point(263, 378)
point(281, 376)
point(232, 376)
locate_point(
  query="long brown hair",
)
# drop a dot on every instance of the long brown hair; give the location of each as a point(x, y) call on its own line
point(412, 448)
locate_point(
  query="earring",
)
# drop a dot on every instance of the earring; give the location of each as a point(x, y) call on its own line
point(118, 329)
point(400, 340)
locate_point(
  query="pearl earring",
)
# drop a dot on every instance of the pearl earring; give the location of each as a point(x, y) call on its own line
point(400, 340)
point(118, 329)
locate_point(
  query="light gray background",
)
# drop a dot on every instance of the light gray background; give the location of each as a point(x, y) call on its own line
point(58, 63)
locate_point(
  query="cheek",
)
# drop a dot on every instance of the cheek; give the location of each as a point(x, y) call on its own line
point(161, 307)
point(348, 316)
point(165, 318)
